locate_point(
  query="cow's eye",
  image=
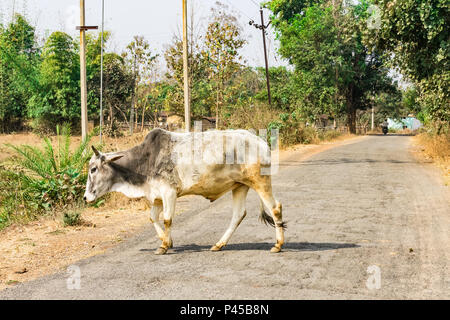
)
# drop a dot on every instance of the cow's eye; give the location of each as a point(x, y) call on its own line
point(93, 169)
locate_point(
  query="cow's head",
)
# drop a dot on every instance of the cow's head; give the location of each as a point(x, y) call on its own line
point(101, 175)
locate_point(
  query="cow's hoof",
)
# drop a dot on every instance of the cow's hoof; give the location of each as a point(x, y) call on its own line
point(275, 249)
point(215, 248)
point(160, 251)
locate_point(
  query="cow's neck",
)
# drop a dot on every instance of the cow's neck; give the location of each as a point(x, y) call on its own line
point(128, 182)
point(129, 190)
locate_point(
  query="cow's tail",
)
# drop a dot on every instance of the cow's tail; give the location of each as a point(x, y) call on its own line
point(267, 218)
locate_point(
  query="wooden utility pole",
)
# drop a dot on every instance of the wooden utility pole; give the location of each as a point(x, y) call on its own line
point(82, 27)
point(187, 103)
point(84, 119)
point(263, 29)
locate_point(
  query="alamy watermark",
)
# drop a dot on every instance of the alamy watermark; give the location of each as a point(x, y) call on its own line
point(73, 282)
point(374, 279)
point(230, 147)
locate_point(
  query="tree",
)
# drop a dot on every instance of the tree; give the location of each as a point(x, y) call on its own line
point(222, 42)
point(415, 36)
point(19, 58)
point(198, 79)
point(334, 71)
point(93, 61)
point(282, 87)
point(118, 87)
point(140, 59)
point(59, 74)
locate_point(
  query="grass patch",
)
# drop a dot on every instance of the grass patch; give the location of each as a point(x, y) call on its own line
point(437, 148)
point(41, 181)
point(72, 218)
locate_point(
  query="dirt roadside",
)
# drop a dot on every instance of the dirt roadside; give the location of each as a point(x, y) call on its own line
point(42, 247)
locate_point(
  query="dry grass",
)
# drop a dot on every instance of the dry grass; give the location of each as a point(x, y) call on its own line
point(255, 116)
point(436, 148)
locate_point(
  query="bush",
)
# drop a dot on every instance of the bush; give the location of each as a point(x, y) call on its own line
point(329, 135)
point(43, 180)
point(72, 218)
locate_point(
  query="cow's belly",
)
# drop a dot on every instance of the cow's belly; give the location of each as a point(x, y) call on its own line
point(211, 182)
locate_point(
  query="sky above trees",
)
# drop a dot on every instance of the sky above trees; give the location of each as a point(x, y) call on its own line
point(156, 20)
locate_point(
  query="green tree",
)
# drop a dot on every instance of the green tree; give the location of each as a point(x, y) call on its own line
point(58, 99)
point(93, 61)
point(139, 58)
point(199, 88)
point(334, 72)
point(118, 85)
point(222, 41)
point(415, 36)
point(19, 57)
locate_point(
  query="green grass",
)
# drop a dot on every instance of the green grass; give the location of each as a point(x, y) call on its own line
point(39, 181)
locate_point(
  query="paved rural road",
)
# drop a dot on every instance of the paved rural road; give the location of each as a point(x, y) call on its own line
point(362, 204)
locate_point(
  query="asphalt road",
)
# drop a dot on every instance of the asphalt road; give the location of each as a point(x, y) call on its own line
point(365, 220)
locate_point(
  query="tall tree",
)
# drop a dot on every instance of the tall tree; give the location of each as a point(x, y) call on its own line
point(140, 59)
point(58, 98)
point(19, 58)
point(222, 41)
point(118, 87)
point(415, 36)
point(334, 71)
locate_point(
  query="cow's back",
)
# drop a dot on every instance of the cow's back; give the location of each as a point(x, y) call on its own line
point(214, 162)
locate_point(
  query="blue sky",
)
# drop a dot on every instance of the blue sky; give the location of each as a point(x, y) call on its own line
point(156, 20)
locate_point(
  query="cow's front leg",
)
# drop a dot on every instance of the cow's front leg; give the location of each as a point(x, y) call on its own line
point(169, 199)
point(154, 218)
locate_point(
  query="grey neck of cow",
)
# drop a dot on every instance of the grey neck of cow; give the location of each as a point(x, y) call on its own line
point(124, 174)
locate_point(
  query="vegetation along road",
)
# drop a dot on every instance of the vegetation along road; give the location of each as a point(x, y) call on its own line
point(365, 220)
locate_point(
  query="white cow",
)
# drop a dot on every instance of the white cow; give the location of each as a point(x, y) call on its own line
point(169, 165)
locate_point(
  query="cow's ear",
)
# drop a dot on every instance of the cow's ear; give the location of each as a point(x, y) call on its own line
point(112, 158)
point(96, 152)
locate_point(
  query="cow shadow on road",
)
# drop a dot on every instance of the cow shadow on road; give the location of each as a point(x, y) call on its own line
point(263, 246)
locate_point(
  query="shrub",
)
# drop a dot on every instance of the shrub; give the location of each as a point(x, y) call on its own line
point(329, 135)
point(72, 218)
point(43, 180)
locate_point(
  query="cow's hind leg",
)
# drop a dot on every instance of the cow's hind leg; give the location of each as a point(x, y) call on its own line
point(275, 220)
point(239, 195)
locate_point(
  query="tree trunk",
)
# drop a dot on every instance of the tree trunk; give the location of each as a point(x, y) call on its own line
point(143, 116)
point(217, 108)
point(131, 115)
point(351, 112)
point(351, 121)
point(111, 115)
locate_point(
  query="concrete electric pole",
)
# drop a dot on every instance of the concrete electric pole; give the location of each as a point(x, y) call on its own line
point(83, 28)
point(187, 103)
point(101, 72)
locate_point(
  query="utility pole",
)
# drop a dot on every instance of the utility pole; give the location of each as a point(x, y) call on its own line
point(263, 29)
point(187, 103)
point(373, 122)
point(133, 102)
point(84, 120)
point(101, 72)
point(83, 28)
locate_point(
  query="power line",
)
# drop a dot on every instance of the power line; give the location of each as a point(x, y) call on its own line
point(239, 10)
point(256, 4)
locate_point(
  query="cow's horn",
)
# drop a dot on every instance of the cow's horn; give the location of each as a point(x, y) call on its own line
point(96, 152)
